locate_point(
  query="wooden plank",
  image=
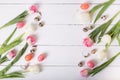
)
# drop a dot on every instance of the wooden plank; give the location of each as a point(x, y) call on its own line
point(108, 73)
point(52, 35)
point(55, 1)
point(67, 55)
point(66, 14)
point(61, 38)
point(52, 14)
point(55, 35)
point(54, 73)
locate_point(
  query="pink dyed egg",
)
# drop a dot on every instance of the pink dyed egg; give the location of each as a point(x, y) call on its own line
point(41, 57)
point(90, 64)
point(84, 6)
point(20, 24)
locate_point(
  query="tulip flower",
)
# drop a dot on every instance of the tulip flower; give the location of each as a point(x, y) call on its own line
point(106, 39)
point(29, 29)
point(83, 17)
point(88, 42)
point(20, 24)
point(84, 72)
point(101, 54)
point(11, 54)
point(34, 68)
point(33, 9)
point(31, 39)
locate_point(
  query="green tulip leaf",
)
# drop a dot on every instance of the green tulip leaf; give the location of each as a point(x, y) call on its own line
point(104, 65)
point(19, 54)
point(96, 34)
point(11, 45)
point(15, 74)
point(9, 37)
point(103, 10)
point(20, 17)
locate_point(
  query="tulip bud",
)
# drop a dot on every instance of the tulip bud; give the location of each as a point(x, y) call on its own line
point(31, 39)
point(84, 72)
point(29, 29)
point(83, 17)
point(34, 68)
point(33, 9)
point(87, 42)
point(11, 55)
point(106, 39)
point(101, 54)
point(20, 24)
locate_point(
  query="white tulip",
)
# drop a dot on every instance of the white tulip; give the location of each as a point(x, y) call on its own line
point(106, 39)
point(83, 17)
point(101, 54)
point(34, 68)
point(28, 29)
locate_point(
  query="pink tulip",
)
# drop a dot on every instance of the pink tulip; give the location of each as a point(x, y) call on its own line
point(20, 24)
point(84, 73)
point(33, 8)
point(87, 42)
point(31, 40)
point(11, 54)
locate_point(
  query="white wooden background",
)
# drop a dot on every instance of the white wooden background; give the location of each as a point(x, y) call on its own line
point(61, 38)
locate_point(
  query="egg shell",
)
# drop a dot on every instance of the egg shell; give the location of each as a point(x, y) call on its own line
point(90, 64)
point(41, 57)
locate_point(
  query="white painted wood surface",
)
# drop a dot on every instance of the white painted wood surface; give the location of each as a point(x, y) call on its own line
point(54, 1)
point(61, 38)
